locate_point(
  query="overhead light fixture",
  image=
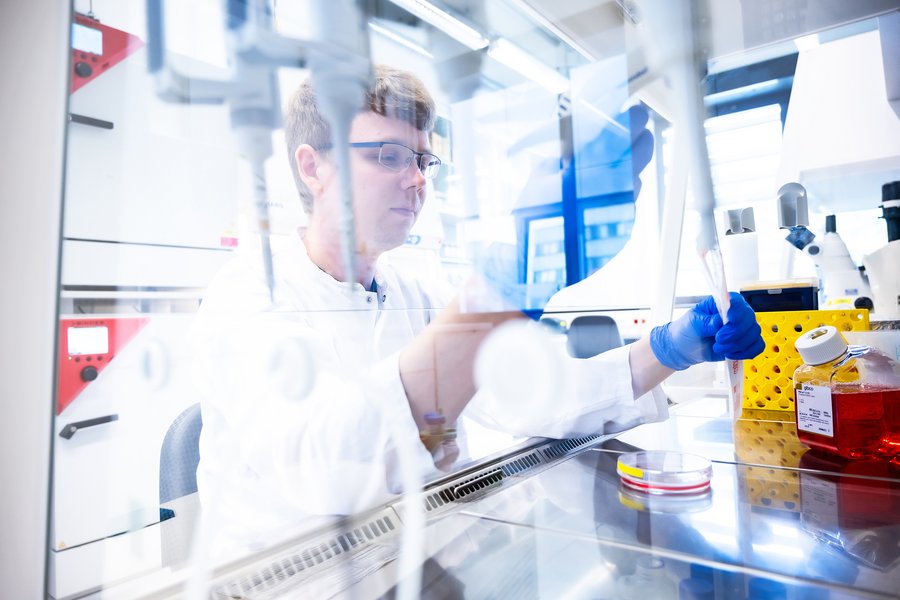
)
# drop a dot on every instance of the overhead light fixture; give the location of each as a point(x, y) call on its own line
point(507, 53)
point(440, 19)
point(500, 49)
point(396, 37)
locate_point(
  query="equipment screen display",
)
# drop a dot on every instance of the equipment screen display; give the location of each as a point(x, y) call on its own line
point(87, 39)
point(88, 340)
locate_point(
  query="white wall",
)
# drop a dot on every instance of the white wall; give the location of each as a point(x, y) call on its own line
point(34, 50)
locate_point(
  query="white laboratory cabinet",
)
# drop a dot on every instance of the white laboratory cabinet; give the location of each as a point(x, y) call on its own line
point(150, 192)
point(108, 440)
point(151, 213)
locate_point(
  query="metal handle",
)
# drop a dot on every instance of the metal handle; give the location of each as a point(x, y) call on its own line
point(100, 123)
point(72, 428)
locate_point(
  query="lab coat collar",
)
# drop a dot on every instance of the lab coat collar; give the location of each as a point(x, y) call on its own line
point(310, 269)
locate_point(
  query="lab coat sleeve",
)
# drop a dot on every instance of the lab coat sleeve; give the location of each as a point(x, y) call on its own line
point(288, 429)
point(574, 397)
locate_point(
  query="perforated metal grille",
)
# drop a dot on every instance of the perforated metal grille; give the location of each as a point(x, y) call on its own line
point(562, 447)
point(469, 486)
point(522, 464)
point(305, 559)
point(476, 484)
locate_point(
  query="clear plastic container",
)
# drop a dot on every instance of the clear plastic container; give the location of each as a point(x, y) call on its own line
point(664, 504)
point(664, 472)
point(846, 398)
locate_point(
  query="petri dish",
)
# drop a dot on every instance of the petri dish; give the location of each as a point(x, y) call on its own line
point(664, 472)
point(641, 501)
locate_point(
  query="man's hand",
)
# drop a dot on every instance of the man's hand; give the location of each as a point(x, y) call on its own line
point(699, 336)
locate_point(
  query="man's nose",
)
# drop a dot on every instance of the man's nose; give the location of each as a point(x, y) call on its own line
point(414, 175)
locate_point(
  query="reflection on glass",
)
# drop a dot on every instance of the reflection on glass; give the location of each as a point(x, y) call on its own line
point(218, 342)
point(858, 515)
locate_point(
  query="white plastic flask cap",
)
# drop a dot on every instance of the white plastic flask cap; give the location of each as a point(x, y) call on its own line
point(821, 345)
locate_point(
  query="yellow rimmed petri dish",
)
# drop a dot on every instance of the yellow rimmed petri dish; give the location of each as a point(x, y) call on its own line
point(665, 472)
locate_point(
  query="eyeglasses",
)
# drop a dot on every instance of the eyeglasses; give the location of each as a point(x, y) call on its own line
point(398, 157)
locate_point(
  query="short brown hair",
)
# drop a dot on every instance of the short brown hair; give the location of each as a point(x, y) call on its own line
point(394, 93)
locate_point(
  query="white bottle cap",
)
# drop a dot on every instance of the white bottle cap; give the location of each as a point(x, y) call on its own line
point(821, 345)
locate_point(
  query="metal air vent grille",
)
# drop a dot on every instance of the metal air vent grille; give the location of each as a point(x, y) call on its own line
point(563, 447)
point(476, 484)
point(293, 568)
point(304, 561)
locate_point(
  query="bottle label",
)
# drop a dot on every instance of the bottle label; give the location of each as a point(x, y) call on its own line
point(815, 412)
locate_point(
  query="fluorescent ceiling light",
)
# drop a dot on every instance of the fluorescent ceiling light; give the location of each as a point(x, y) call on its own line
point(507, 53)
point(444, 21)
point(396, 37)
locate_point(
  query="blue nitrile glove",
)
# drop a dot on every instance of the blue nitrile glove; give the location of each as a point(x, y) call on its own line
point(698, 335)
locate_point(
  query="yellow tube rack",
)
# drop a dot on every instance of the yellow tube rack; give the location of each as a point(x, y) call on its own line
point(767, 378)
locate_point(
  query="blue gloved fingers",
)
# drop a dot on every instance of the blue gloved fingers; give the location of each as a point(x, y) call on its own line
point(738, 333)
point(738, 309)
point(707, 306)
point(704, 324)
point(689, 339)
point(739, 328)
point(748, 347)
point(741, 337)
point(731, 342)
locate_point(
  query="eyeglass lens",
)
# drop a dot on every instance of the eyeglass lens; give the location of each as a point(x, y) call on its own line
point(397, 157)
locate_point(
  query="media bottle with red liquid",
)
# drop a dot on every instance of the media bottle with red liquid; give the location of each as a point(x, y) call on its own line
point(846, 398)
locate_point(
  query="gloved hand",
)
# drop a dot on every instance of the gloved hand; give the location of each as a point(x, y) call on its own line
point(698, 335)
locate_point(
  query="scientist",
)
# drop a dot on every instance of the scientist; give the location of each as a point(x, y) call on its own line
point(304, 396)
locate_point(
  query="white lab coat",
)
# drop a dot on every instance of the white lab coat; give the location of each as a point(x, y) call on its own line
point(301, 397)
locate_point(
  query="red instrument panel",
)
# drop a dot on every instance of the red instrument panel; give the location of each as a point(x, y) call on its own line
point(86, 347)
point(97, 48)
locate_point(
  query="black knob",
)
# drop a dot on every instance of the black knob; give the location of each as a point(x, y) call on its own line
point(89, 373)
point(82, 69)
point(863, 302)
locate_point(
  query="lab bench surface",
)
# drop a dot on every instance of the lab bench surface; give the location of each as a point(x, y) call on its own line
point(778, 522)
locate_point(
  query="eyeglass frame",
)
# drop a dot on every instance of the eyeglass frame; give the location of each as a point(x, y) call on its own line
point(418, 155)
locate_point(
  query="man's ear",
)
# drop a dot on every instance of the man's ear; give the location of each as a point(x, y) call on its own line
point(308, 161)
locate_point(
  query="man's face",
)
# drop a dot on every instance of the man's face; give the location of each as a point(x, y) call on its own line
point(387, 203)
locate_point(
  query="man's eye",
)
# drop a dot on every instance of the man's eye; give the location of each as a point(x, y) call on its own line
point(392, 158)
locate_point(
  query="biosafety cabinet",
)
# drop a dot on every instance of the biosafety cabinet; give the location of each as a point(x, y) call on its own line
point(174, 164)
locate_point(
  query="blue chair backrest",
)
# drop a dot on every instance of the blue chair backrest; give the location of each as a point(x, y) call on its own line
point(589, 335)
point(180, 455)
